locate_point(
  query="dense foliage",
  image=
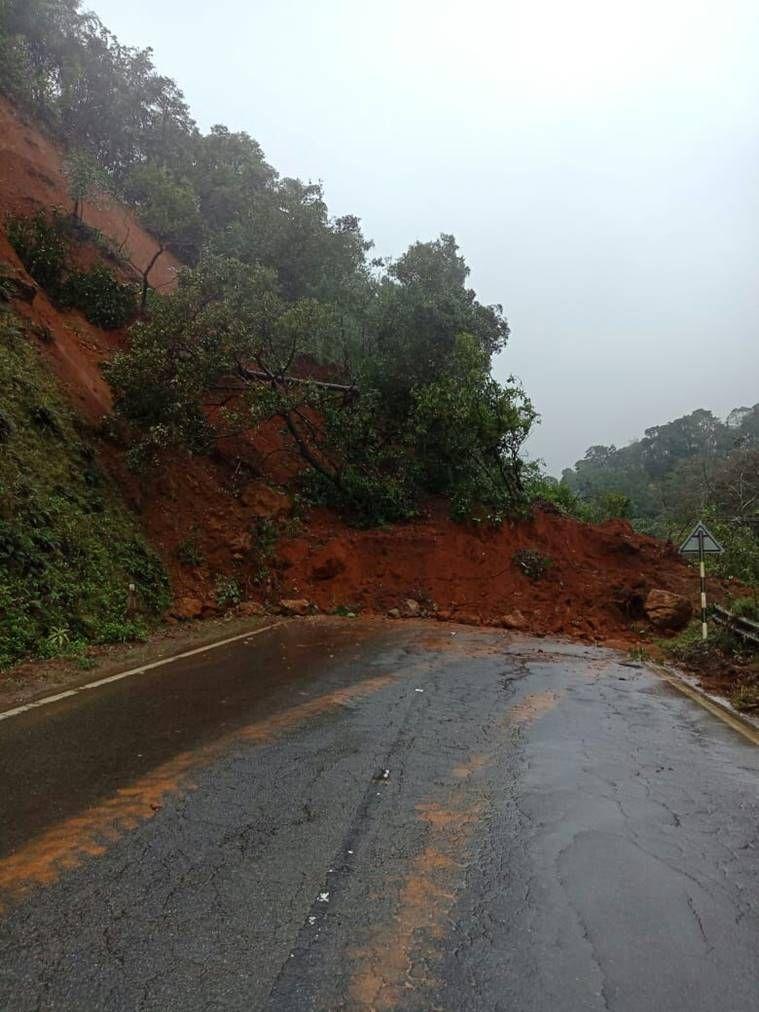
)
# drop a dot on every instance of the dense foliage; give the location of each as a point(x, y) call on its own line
point(129, 130)
point(695, 466)
point(68, 548)
point(274, 282)
point(374, 438)
point(42, 243)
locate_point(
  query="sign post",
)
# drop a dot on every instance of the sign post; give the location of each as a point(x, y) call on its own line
point(702, 542)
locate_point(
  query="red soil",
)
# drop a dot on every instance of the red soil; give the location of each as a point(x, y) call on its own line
point(222, 507)
point(594, 588)
point(32, 177)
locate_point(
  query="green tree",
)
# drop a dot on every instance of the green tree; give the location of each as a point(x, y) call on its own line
point(229, 174)
point(469, 432)
point(421, 308)
point(86, 181)
point(169, 210)
point(225, 329)
point(287, 227)
point(223, 352)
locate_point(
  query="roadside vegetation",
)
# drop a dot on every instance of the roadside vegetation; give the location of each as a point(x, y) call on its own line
point(68, 548)
point(725, 663)
point(696, 467)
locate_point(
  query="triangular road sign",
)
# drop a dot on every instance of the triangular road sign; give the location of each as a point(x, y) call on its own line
point(692, 543)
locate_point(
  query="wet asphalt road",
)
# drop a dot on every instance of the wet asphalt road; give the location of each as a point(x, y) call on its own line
point(558, 830)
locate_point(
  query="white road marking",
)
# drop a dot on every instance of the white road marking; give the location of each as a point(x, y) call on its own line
point(133, 671)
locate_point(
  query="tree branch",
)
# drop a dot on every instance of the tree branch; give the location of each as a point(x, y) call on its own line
point(263, 375)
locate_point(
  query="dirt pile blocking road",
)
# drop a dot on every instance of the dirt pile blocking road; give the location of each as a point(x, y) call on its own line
point(594, 583)
point(592, 580)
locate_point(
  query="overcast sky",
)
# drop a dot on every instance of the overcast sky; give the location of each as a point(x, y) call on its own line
point(596, 159)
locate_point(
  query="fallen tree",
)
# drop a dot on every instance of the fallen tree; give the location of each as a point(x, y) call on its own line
point(375, 424)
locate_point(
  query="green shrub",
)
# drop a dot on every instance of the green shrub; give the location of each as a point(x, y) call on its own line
point(42, 243)
point(188, 552)
point(532, 563)
point(614, 505)
point(121, 631)
point(540, 487)
point(691, 649)
point(746, 697)
point(228, 593)
point(41, 248)
point(745, 607)
point(105, 301)
point(68, 547)
point(638, 654)
point(366, 500)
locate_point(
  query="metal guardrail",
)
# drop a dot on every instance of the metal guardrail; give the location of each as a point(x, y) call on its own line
point(745, 628)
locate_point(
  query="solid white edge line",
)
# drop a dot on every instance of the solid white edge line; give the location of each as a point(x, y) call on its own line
point(133, 671)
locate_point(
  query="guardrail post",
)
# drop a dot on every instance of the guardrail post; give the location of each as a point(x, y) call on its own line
point(702, 575)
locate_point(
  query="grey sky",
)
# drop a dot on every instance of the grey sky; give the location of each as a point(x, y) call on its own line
point(596, 159)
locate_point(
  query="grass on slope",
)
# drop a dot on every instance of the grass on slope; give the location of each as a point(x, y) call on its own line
point(68, 546)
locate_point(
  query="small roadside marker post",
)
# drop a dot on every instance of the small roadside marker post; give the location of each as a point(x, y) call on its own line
point(701, 542)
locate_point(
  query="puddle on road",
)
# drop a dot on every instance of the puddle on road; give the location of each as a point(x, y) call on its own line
point(68, 844)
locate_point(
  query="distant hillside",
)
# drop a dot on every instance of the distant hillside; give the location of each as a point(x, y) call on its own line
point(697, 465)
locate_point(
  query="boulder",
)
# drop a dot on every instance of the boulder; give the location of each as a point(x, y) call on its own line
point(250, 609)
point(514, 620)
point(468, 618)
point(394, 613)
point(329, 563)
point(187, 607)
point(295, 606)
point(666, 610)
point(411, 608)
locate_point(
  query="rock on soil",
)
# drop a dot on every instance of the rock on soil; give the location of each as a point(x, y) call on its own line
point(250, 609)
point(514, 620)
point(329, 563)
point(187, 607)
point(667, 610)
point(296, 606)
point(595, 588)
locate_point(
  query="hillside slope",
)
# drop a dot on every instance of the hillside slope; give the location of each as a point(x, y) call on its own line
point(32, 177)
point(230, 528)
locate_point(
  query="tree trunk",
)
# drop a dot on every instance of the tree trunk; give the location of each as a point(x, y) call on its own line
point(145, 275)
point(305, 450)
